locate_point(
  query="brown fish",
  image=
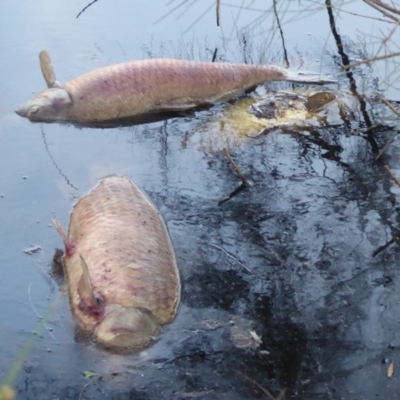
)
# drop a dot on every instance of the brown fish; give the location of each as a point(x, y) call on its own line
point(120, 266)
point(126, 90)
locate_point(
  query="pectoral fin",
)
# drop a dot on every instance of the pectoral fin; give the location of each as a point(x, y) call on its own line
point(85, 284)
point(47, 70)
point(90, 302)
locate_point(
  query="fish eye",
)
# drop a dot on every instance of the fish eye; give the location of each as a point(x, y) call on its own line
point(98, 300)
point(34, 110)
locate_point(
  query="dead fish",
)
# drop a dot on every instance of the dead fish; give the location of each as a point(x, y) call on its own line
point(120, 266)
point(134, 88)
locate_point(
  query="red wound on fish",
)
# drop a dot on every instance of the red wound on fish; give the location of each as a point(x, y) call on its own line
point(69, 249)
point(94, 310)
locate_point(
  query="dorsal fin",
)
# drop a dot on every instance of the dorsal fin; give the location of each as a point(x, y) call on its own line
point(85, 286)
point(47, 69)
point(69, 247)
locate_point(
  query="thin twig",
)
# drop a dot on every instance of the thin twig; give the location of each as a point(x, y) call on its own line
point(386, 102)
point(384, 6)
point(366, 130)
point(383, 247)
point(362, 16)
point(85, 8)
point(265, 391)
point(214, 57)
point(237, 169)
point(193, 395)
point(389, 36)
point(46, 145)
point(281, 395)
point(386, 146)
point(87, 384)
point(368, 60)
point(34, 310)
point(397, 112)
point(218, 4)
point(231, 256)
point(391, 174)
point(285, 56)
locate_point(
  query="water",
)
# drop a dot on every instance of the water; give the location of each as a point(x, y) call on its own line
point(303, 258)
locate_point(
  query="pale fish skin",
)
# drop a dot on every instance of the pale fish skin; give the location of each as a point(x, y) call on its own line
point(131, 285)
point(134, 88)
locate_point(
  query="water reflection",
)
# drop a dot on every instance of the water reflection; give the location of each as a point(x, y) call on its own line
point(317, 229)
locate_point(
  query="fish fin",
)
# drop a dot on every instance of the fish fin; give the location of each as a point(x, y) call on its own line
point(186, 114)
point(85, 286)
point(310, 78)
point(250, 89)
point(184, 109)
point(47, 69)
point(174, 108)
point(69, 247)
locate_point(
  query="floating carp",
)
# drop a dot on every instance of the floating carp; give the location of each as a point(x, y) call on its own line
point(121, 92)
point(120, 266)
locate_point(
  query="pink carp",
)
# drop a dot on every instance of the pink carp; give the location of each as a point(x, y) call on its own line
point(120, 266)
point(123, 91)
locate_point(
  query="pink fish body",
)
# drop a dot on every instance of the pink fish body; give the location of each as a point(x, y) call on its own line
point(120, 266)
point(139, 87)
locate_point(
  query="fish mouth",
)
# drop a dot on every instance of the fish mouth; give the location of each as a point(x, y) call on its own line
point(126, 327)
point(22, 111)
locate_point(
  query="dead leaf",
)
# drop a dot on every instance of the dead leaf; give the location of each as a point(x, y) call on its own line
point(31, 250)
point(89, 374)
point(6, 393)
point(390, 370)
point(255, 337)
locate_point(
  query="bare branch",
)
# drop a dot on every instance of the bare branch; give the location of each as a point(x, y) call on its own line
point(387, 103)
point(385, 6)
point(392, 175)
point(381, 7)
point(397, 112)
point(368, 60)
point(85, 8)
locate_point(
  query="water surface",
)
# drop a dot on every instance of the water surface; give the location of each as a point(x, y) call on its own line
point(303, 259)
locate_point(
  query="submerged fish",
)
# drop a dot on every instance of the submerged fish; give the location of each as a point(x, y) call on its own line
point(126, 90)
point(120, 265)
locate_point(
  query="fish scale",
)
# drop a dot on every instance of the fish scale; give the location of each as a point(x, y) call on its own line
point(131, 265)
point(140, 87)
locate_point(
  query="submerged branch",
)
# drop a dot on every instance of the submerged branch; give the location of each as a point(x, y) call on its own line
point(263, 389)
point(231, 256)
point(237, 169)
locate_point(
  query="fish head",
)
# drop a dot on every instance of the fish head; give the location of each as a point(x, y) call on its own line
point(47, 106)
point(126, 327)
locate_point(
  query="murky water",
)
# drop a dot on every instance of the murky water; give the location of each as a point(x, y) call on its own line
point(306, 259)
